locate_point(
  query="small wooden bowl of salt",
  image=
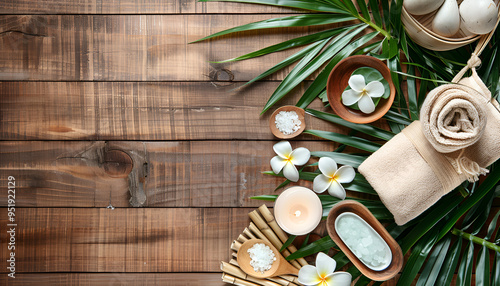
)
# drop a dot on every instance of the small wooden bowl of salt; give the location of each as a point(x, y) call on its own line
point(287, 122)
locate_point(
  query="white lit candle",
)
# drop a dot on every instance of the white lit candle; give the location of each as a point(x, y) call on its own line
point(298, 210)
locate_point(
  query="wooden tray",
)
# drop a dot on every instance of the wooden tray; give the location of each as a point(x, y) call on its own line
point(364, 213)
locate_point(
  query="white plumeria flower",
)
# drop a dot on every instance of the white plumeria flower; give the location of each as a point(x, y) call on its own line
point(287, 159)
point(323, 274)
point(331, 177)
point(362, 93)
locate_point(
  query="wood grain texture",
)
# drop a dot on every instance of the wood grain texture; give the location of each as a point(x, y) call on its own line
point(106, 279)
point(135, 47)
point(132, 279)
point(141, 111)
point(122, 240)
point(131, 7)
point(176, 174)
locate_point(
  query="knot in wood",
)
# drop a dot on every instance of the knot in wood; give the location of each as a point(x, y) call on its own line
point(223, 75)
point(117, 163)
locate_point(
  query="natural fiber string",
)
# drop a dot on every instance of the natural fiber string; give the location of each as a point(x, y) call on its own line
point(471, 169)
point(473, 62)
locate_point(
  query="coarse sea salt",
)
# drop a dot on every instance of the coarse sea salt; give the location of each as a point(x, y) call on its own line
point(363, 241)
point(262, 257)
point(287, 122)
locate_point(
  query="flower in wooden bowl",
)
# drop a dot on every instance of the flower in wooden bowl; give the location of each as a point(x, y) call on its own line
point(287, 122)
point(338, 81)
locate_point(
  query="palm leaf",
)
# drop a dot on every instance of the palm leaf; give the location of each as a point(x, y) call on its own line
point(396, 127)
point(319, 6)
point(423, 89)
point(395, 117)
point(349, 5)
point(404, 44)
point(286, 62)
point(292, 43)
point(395, 67)
point(395, 16)
point(487, 186)
point(322, 244)
point(284, 22)
point(464, 274)
point(495, 273)
point(412, 95)
point(386, 14)
point(374, 7)
point(380, 213)
point(417, 258)
point(359, 184)
point(479, 213)
point(319, 84)
point(365, 128)
point(364, 9)
point(434, 264)
point(492, 227)
point(341, 158)
point(292, 80)
point(450, 264)
point(288, 242)
point(302, 64)
point(483, 267)
point(352, 141)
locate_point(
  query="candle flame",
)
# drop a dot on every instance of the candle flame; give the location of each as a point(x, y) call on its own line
point(297, 213)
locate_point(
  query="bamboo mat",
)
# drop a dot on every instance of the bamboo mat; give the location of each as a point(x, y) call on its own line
point(263, 226)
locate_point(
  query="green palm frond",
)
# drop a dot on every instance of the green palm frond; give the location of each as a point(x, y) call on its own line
point(285, 22)
point(340, 46)
point(437, 244)
point(319, 6)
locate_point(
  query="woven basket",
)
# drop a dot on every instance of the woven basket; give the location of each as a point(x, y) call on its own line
point(419, 28)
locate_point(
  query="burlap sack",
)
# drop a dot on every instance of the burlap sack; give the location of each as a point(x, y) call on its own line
point(410, 175)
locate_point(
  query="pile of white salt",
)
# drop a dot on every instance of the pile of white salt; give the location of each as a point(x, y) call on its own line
point(363, 242)
point(262, 257)
point(287, 122)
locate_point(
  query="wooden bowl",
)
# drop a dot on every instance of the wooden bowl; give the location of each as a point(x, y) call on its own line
point(339, 80)
point(359, 209)
point(276, 132)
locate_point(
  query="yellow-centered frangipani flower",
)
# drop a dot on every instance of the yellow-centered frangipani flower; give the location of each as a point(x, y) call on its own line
point(323, 273)
point(332, 178)
point(288, 158)
point(362, 93)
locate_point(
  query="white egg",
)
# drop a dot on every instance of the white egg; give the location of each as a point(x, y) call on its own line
point(479, 16)
point(421, 7)
point(446, 22)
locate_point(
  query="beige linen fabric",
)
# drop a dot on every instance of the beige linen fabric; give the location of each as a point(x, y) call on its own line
point(408, 182)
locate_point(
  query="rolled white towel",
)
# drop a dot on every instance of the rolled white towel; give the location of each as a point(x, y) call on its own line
point(453, 117)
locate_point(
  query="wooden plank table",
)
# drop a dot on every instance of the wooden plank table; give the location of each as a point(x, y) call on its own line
point(103, 98)
point(98, 98)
